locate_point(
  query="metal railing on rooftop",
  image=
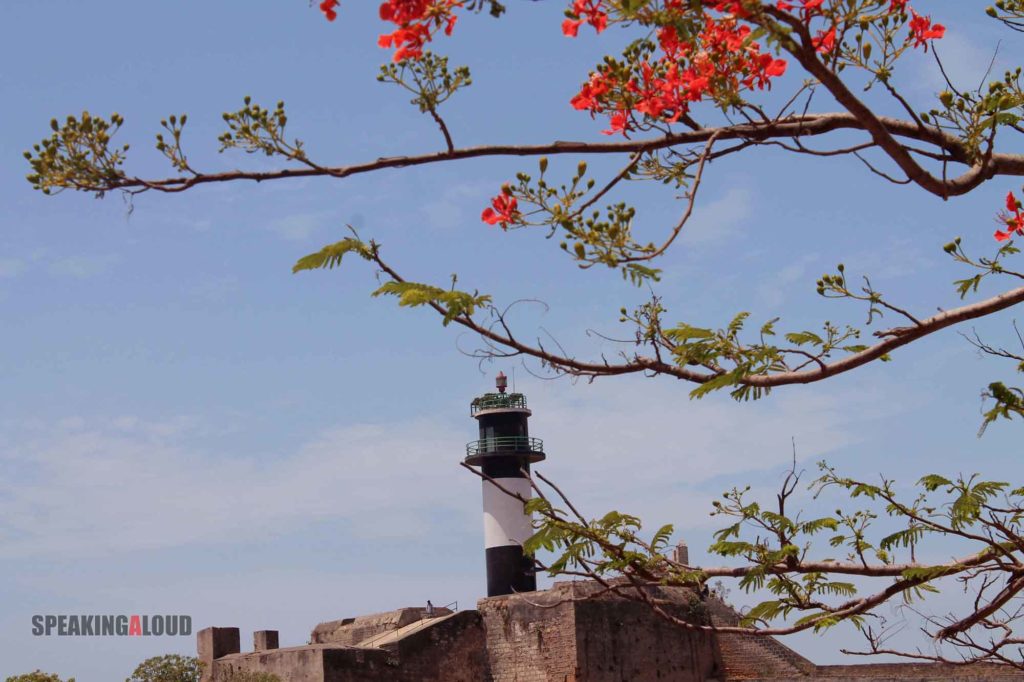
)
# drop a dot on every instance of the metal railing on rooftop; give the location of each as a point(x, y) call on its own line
point(496, 401)
point(500, 444)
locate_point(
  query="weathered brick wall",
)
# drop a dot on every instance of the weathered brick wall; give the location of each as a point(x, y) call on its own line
point(765, 659)
point(351, 631)
point(574, 632)
point(916, 672)
point(530, 638)
point(316, 663)
point(298, 664)
point(358, 665)
point(452, 650)
point(748, 658)
point(569, 634)
point(620, 640)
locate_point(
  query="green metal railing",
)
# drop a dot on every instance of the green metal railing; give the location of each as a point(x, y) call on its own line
point(486, 446)
point(496, 401)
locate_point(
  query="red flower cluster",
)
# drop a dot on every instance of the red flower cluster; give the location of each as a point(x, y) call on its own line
point(722, 59)
point(417, 21)
point(1014, 219)
point(504, 209)
point(589, 11)
point(809, 7)
point(327, 7)
point(922, 30)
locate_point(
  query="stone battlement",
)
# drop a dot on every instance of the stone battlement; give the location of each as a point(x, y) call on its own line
point(574, 632)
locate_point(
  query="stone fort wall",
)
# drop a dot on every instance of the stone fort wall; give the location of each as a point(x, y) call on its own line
point(574, 632)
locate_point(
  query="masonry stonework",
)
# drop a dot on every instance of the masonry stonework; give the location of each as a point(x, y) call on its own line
point(570, 633)
point(574, 632)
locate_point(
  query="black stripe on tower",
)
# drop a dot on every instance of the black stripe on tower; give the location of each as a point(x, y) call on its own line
point(511, 466)
point(509, 570)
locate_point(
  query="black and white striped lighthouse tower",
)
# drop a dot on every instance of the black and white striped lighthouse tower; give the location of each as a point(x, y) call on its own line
point(503, 452)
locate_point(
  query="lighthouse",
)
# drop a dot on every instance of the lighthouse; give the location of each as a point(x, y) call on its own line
point(504, 452)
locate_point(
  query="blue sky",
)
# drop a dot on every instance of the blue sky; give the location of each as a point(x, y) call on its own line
point(187, 427)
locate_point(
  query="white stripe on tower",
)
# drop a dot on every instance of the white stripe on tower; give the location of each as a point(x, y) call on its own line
point(505, 521)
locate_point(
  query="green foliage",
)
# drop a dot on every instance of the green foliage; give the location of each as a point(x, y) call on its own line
point(331, 255)
point(78, 155)
point(579, 545)
point(776, 550)
point(1009, 403)
point(169, 668)
point(987, 267)
point(735, 359)
point(256, 129)
point(590, 237)
point(974, 116)
point(450, 302)
point(428, 78)
point(174, 125)
point(1010, 12)
point(38, 676)
point(836, 286)
point(454, 303)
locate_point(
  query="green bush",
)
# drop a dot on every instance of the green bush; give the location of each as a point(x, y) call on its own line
point(38, 676)
point(169, 668)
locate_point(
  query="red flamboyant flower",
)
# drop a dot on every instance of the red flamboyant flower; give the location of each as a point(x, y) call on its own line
point(719, 60)
point(618, 123)
point(774, 67)
point(825, 41)
point(590, 93)
point(417, 21)
point(810, 9)
point(503, 209)
point(571, 27)
point(327, 7)
point(922, 30)
point(733, 7)
point(1014, 219)
point(589, 11)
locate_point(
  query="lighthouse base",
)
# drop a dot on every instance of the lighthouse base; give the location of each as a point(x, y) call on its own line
point(509, 571)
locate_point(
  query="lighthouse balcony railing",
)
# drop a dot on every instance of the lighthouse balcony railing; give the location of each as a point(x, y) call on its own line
point(497, 401)
point(504, 444)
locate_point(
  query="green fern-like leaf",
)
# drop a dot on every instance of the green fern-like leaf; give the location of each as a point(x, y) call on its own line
point(413, 294)
point(933, 482)
point(331, 255)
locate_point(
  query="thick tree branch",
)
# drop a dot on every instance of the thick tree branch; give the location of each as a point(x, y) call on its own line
point(893, 339)
point(793, 127)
